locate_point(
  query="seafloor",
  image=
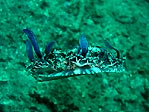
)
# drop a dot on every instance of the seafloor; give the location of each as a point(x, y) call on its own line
point(124, 23)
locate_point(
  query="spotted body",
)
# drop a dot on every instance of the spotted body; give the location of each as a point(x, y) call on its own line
point(58, 64)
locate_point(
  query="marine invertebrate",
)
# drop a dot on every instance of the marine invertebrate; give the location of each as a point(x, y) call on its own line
point(56, 64)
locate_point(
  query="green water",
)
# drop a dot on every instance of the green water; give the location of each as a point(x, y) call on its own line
point(123, 23)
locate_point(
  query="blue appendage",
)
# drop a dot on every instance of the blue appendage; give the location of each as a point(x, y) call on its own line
point(32, 38)
point(83, 45)
point(29, 50)
point(48, 47)
point(107, 44)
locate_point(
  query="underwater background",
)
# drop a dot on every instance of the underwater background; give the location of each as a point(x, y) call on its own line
point(123, 23)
